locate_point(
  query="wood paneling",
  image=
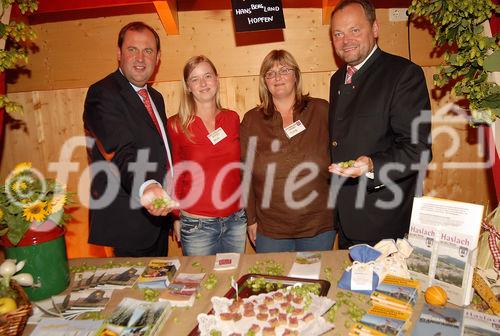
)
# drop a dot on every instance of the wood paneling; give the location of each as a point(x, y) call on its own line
point(53, 117)
point(74, 54)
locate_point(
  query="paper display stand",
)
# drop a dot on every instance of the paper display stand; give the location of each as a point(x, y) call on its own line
point(444, 235)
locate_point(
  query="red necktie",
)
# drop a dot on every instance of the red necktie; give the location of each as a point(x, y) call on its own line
point(147, 103)
point(350, 72)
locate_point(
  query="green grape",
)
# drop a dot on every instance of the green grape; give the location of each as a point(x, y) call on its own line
point(159, 203)
point(267, 267)
point(210, 282)
point(150, 294)
point(328, 273)
point(346, 164)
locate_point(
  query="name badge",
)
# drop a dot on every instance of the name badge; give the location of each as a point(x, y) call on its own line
point(294, 129)
point(217, 135)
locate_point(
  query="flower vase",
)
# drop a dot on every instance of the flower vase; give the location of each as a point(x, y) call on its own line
point(44, 249)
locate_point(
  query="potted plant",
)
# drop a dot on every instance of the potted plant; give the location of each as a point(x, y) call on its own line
point(32, 218)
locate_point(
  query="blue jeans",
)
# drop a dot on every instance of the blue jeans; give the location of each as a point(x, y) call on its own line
point(321, 242)
point(208, 236)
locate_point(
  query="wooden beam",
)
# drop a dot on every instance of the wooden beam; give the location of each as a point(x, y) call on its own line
point(61, 10)
point(51, 6)
point(328, 6)
point(167, 11)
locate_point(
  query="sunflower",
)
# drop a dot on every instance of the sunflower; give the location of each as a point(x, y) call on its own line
point(20, 167)
point(18, 186)
point(56, 203)
point(35, 212)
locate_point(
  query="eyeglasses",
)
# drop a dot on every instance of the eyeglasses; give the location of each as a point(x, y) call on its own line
point(282, 72)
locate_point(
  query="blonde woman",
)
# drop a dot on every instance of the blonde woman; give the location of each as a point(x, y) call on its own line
point(206, 152)
point(287, 204)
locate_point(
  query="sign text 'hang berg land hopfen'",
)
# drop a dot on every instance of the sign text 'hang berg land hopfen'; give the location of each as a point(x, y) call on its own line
point(254, 15)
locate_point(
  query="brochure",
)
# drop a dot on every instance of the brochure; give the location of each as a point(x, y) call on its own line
point(136, 317)
point(158, 273)
point(62, 327)
point(434, 320)
point(226, 261)
point(306, 265)
point(447, 321)
point(476, 323)
point(182, 291)
point(381, 321)
point(396, 293)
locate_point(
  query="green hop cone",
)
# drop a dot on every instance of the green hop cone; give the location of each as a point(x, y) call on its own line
point(346, 164)
point(160, 202)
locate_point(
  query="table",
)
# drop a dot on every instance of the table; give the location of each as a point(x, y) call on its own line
point(183, 320)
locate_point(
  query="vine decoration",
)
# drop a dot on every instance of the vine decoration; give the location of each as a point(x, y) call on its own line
point(470, 56)
point(17, 36)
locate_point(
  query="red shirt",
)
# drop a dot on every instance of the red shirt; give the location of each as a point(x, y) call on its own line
point(198, 163)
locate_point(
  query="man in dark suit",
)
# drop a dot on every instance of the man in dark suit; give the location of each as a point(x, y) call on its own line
point(130, 156)
point(380, 119)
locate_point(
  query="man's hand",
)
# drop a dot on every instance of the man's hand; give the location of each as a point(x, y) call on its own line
point(149, 200)
point(252, 232)
point(361, 166)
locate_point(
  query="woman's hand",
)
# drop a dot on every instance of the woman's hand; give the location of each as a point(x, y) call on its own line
point(252, 232)
point(177, 230)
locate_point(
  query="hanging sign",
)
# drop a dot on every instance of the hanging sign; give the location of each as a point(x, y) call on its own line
point(254, 15)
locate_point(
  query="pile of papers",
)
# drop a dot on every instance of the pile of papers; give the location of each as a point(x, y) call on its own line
point(72, 305)
point(159, 273)
point(392, 307)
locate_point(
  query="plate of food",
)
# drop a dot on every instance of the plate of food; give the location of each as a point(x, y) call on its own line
point(268, 305)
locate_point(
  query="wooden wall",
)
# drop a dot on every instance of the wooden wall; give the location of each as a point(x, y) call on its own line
point(71, 55)
point(74, 54)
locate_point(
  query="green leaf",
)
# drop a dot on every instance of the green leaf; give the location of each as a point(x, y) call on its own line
point(17, 231)
point(492, 101)
point(492, 62)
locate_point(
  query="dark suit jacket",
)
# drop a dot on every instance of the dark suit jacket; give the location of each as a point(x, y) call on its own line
point(118, 121)
point(383, 114)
